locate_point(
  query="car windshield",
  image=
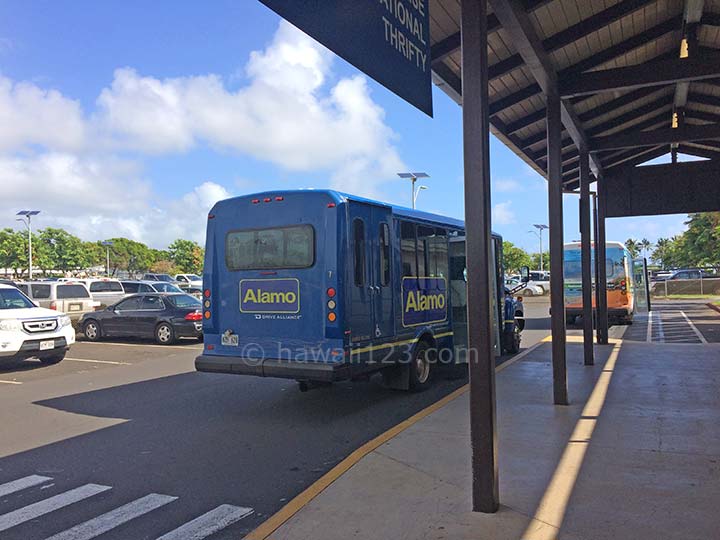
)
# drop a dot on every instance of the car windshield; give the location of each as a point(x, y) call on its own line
point(184, 301)
point(193, 277)
point(166, 287)
point(165, 277)
point(14, 299)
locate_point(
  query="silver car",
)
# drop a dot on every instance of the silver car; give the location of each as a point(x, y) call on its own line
point(106, 291)
point(70, 297)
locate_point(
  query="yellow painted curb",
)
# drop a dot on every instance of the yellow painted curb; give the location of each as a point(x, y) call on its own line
point(265, 529)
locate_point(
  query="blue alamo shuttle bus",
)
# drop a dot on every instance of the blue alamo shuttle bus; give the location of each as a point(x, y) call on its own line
point(320, 286)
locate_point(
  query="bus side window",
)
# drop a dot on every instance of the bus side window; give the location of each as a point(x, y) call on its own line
point(359, 251)
point(407, 249)
point(384, 254)
point(438, 254)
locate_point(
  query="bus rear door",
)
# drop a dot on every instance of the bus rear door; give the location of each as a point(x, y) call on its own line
point(370, 279)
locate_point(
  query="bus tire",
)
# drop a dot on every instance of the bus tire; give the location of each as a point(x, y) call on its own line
point(421, 367)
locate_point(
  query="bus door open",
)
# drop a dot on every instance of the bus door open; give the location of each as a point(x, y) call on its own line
point(639, 284)
point(459, 299)
point(371, 302)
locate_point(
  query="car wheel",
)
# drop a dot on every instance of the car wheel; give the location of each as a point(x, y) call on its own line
point(92, 330)
point(164, 334)
point(55, 359)
point(421, 367)
point(528, 292)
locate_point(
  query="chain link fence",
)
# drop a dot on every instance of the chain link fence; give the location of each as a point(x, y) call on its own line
point(685, 282)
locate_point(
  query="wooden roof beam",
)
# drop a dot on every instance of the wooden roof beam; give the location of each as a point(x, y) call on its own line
point(677, 70)
point(673, 24)
point(518, 26)
point(686, 133)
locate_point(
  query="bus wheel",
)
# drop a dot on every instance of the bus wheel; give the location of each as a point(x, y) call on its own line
point(420, 367)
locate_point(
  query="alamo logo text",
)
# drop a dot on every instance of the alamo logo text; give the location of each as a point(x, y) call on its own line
point(270, 295)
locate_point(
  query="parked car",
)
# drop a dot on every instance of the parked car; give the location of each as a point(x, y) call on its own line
point(28, 331)
point(528, 289)
point(192, 281)
point(540, 279)
point(160, 277)
point(69, 297)
point(165, 317)
point(133, 287)
point(7, 282)
point(105, 290)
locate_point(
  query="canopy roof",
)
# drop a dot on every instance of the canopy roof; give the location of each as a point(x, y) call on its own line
point(531, 42)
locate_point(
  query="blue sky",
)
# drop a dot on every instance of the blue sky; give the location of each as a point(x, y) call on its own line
point(131, 118)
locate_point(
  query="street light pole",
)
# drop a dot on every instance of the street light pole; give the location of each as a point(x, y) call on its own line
point(541, 228)
point(107, 244)
point(413, 176)
point(26, 218)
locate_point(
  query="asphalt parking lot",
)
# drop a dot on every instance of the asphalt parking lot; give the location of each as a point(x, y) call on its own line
point(127, 429)
point(128, 421)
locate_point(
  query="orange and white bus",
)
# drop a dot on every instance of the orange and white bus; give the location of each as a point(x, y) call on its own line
point(621, 297)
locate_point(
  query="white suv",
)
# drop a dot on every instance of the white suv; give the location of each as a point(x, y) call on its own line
point(28, 331)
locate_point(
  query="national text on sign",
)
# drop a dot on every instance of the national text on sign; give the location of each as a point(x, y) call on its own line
point(404, 17)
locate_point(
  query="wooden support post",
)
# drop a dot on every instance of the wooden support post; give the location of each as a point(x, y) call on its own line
point(476, 148)
point(555, 207)
point(586, 258)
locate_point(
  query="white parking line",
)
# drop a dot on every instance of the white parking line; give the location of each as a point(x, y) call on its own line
point(114, 518)
point(33, 511)
point(184, 348)
point(209, 523)
point(648, 336)
point(694, 328)
point(10, 382)
point(99, 361)
point(22, 483)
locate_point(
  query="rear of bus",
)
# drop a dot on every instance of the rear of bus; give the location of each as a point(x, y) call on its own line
point(620, 298)
point(270, 286)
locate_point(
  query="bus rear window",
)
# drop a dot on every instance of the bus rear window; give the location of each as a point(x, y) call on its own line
point(273, 248)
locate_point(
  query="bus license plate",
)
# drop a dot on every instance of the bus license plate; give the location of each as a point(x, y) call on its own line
point(230, 341)
point(47, 345)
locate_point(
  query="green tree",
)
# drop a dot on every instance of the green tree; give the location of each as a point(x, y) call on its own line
point(129, 255)
point(13, 250)
point(514, 257)
point(535, 264)
point(645, 246)
point(633, 247)
point(60, 250)
point(187, 255)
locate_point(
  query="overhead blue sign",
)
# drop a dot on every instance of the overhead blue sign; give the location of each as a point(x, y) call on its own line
point(389, 40)
point(424, 300)
point(270, 295)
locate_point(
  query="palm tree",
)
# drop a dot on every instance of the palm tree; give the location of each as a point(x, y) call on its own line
point(645, 245)
point(633, 247)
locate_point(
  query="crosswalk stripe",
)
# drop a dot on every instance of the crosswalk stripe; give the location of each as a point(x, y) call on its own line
point(32, 511)
point(22, 483)
point(114, 518)
point(209, 523)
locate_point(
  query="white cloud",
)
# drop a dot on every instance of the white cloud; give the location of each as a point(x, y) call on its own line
point(282, 115)
point(30, 115)
point(502, 214)
point(504, 185)
point(104, 198)
point(58, 158)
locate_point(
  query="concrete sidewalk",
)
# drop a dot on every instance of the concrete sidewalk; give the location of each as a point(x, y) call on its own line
point(636, 455)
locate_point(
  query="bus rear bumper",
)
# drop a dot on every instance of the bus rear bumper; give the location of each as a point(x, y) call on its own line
point(272, 367)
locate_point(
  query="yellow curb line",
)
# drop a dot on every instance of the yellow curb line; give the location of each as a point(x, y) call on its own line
point(265, 529)
point(579, 339)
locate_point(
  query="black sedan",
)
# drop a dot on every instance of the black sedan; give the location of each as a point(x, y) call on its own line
point(164, 317)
